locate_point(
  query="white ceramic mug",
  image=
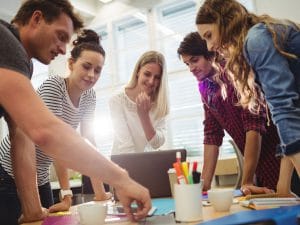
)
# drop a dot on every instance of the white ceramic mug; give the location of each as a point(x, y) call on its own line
point(221, 199)
point(92, 213)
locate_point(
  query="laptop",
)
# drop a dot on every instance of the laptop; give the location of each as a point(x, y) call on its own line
point(150, 169)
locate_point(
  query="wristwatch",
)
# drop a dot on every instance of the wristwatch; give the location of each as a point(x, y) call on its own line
point(64, 193)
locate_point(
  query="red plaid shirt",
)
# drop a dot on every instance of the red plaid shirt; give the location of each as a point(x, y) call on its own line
point(225, 115)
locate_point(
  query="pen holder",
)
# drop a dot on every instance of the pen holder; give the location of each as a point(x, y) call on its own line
point(172, 179)
point(188, 202)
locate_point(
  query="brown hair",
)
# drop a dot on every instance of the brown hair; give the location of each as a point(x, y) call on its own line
point(87, 40)
point(51, 10)
point(194, 45)
point(234, 21)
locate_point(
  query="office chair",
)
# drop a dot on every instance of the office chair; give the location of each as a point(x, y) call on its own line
point(240, 159)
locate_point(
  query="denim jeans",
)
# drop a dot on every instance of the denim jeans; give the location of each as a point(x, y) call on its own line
point(10, 207)
point(46, 195)
point(279, 78)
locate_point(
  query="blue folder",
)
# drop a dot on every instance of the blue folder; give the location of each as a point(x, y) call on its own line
point(288, 215)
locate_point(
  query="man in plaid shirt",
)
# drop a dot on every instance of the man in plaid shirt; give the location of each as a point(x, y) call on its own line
point(256, 140)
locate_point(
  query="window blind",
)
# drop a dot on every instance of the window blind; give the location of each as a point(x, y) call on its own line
point(105, 79)
point(131, 40)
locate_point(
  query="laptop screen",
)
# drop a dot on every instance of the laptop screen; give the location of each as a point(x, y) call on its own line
point(150, 169)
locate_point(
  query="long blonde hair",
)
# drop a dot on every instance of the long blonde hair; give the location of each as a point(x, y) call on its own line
point(234, 22)
point(160, 98)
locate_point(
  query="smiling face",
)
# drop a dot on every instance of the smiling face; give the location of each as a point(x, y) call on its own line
point(49, 39)
point(198, 65)
point(149, 77)
point(86, 69)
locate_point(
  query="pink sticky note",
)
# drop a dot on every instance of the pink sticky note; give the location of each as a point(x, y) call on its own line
point(61, 220)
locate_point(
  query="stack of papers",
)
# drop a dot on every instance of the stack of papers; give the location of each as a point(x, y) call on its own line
point(267, 203)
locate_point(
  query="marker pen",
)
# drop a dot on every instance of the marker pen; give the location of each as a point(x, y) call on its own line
point(185, 170)
point(180, 177)
point(195, 164)
point(190, 168)
point(196, 177)
point(195, 174)
point(178, 157)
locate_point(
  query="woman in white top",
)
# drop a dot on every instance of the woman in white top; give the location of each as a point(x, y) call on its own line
point(138, 112)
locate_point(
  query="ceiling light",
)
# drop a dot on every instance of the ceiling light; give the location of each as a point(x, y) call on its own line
point(105, 1)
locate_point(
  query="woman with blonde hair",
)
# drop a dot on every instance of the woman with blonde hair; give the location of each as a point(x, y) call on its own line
point(263, 53)
point(138, 111)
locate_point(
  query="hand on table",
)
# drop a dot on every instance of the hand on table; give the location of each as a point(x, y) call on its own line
point(41, 215)
point(248, 189)
point(131, 192)
point(64, 205)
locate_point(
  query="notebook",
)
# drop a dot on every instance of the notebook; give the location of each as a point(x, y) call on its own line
point(267, 203)
point(150, 169)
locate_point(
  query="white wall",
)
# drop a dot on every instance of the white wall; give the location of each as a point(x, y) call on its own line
point(59, 66)
point(110, 12)
point(285, 9)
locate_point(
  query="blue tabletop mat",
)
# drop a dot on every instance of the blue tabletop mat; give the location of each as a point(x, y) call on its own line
point(164, 206)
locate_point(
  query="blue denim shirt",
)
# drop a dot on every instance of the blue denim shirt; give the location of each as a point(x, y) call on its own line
point(279, 78)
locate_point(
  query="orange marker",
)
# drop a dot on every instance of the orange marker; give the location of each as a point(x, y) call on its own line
point(180, 177)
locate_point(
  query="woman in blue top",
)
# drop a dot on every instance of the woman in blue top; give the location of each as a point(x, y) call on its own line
point(262, 52)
